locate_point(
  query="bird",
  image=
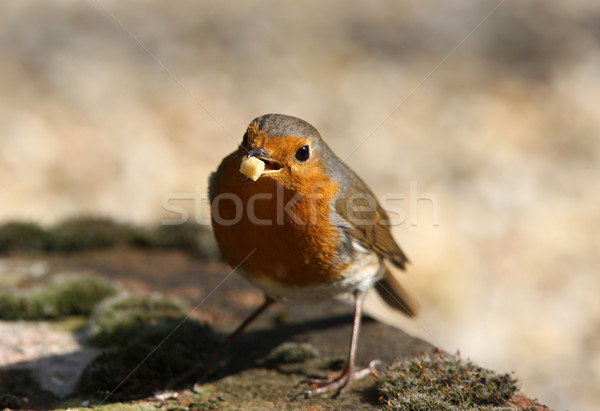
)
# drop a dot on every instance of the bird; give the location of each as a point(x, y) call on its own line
point(295, 221)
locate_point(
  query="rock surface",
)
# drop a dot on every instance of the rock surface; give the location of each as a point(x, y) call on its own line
point(247, 377)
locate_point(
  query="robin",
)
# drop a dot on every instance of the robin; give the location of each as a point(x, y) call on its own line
point(298, 223)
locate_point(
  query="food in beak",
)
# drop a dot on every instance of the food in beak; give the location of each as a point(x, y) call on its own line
point(252, 167)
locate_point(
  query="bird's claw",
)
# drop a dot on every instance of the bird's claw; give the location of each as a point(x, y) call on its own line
point(340, 384)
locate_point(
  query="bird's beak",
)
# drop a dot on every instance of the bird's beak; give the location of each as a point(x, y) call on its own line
point(257, 163)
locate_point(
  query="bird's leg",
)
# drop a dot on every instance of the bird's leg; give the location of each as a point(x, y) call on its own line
point(208, 365)
point(343, 382)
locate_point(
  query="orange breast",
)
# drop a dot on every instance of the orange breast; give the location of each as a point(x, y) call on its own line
point(296, 247)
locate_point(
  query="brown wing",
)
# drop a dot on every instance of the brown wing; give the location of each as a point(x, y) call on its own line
point(369, 223)
point(378, 237)
point(370, 226)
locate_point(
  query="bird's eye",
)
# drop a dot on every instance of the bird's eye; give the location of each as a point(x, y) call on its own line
point(245, 139)
point(303, 153)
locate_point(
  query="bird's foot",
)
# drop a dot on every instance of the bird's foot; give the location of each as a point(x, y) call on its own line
point(339, 384)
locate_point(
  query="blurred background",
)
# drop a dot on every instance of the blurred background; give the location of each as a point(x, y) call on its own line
point(110, 108)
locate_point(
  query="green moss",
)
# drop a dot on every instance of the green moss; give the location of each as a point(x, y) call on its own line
point(170, 236)
point(418, 402)
point(447, 381)
point(123, 319)
point(291, 352)
point(15, 307)
point(151, 343)
point(70, 324)
point(85, 232)
point(188, 236)
point(90, 232)
point(71, 404)
point(77, 295)
point(23, 236)
point(203, 397)
point(64, 297)
point(208, 404)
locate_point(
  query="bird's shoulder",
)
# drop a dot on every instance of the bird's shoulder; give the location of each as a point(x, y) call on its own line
point(362, 219)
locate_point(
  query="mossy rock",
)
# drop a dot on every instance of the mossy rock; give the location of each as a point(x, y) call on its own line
point(444, 382)
point(67, 296)
point(70, 296)
point(292, 352)
point(90, 232)
point(151, 342)
point(170, 236)
point(23, 236)
point(125, 318)
point(15, 307)
point(83, 233)
point(145, 366)
point(188, 236)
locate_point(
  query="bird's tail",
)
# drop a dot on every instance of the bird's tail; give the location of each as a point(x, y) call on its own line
point(395, 294)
